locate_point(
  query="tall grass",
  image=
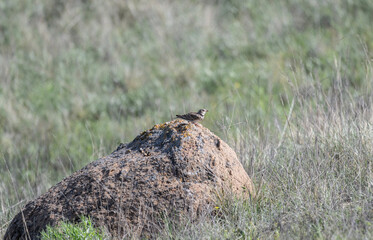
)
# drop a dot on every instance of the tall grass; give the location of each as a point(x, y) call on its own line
point(288, 85)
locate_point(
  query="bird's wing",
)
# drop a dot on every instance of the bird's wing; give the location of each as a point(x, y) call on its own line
point(189, 116)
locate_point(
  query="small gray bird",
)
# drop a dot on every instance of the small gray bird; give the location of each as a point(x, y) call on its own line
point(194, 116)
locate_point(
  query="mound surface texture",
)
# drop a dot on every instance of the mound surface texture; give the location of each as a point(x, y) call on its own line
point(174, 168)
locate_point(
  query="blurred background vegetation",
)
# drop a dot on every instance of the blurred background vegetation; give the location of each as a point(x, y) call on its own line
point(78, 77)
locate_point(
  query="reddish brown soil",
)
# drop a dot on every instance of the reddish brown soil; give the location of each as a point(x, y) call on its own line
point(174, 168)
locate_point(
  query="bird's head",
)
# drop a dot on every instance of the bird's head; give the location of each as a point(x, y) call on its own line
point(202, 111)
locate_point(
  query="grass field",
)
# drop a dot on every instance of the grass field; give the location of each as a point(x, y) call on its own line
point(288, 85)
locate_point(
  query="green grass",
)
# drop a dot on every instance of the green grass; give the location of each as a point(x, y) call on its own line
point(288, 85)
point(84, 230)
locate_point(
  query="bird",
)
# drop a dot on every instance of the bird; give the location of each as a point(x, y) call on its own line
point(194, 116)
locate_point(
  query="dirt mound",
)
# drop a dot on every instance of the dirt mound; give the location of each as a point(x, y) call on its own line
point(173, 168)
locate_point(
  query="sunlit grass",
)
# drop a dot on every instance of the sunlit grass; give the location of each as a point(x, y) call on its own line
point(84, 230)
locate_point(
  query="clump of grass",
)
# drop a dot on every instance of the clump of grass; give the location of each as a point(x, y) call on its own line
point(83, 230)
